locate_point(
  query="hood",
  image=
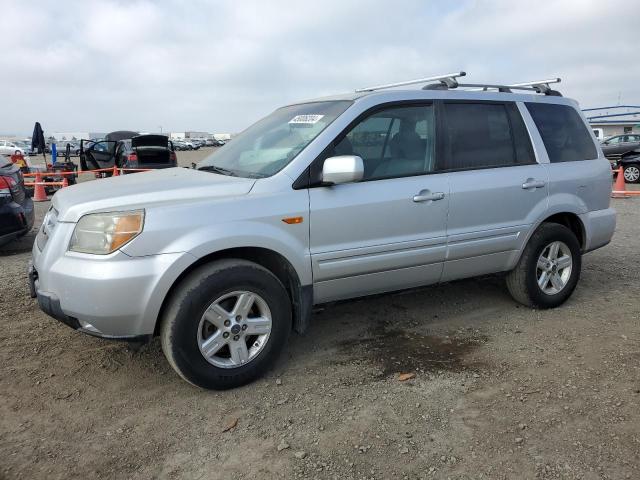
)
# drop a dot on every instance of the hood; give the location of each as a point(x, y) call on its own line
point(140, 190)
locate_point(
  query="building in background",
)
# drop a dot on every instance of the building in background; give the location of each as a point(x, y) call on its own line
point(222, 136)
point(59, 136)
point(615, 120)
point(197, 135)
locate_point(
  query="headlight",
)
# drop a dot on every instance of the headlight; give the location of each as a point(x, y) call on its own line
point(103, 233)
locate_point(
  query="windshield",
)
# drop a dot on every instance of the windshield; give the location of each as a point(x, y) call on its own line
point(269, 145)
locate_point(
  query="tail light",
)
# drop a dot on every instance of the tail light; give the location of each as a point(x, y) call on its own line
point(173, 157)
point(132, 157)
point(6, 185)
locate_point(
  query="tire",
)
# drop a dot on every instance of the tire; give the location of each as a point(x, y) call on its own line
point(523, 281)
point(631, 173)
point(183, 324)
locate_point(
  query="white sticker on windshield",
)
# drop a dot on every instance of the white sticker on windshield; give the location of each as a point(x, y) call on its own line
point(306, 119)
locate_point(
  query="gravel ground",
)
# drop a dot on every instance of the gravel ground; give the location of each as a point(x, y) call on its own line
point(500, 391)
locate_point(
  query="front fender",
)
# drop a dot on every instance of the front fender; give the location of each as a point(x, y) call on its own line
point(291, 245)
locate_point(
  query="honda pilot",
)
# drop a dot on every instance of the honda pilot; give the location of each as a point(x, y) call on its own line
point(385, 189)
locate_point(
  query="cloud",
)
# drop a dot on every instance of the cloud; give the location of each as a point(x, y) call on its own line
point(103, 65)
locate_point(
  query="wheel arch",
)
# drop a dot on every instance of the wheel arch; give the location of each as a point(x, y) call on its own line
point(301, 296)
point(569, 219)
point(572, 222)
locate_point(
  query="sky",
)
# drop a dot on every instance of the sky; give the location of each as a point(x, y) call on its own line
point(218, 66)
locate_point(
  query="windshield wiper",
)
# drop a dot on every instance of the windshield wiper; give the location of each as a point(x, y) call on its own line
point(220, 170)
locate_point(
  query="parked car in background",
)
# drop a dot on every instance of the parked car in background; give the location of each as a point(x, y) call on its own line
point(101, 153)
point(61, 148)
point(223, 261)
point(11, 148)
point(128, 149)
point(146, 151)
point(25, 146)
point(190, 145)
point(616, 147)
point(630, 164)
point(16, 206)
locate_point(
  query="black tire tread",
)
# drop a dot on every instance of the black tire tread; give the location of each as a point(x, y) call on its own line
point(517, 280)
point(181, 295)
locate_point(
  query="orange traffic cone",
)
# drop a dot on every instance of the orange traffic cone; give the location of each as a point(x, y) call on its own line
point(620, 187)
point(39, 195)
point(115, 171)
point(65, 182)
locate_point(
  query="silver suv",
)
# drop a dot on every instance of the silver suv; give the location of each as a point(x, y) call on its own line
point(325, 200)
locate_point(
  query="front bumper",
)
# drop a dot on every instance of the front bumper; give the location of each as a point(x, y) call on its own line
point(113, 296)
point(50, 304)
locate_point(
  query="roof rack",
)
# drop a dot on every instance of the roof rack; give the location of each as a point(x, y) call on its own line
point(538, 86)
point(449, 80)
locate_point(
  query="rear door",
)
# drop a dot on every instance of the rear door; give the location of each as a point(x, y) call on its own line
point(616, 146)
point(388, 231)
point(498, 190)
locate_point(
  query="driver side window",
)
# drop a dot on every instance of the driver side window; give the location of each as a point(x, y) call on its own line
point(394, 142)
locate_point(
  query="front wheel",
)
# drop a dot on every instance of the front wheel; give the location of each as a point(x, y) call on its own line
point(632, 173)
point(226, 324)
point(549, 268)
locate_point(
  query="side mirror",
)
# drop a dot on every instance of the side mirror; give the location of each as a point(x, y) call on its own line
point(342, 169)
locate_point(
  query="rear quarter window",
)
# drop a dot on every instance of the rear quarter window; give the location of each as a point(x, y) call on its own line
point(563, 132)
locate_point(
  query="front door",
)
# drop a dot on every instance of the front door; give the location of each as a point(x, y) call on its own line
point(97, 155)
point(388, 231)
point(497, 189)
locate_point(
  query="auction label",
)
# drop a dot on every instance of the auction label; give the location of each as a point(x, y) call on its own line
point(307, 119)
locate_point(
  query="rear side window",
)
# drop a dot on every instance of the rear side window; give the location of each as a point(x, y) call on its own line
point(563, 132)
point(483, 135)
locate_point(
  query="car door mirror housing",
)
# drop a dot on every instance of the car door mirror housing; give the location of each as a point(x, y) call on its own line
point(342, 169)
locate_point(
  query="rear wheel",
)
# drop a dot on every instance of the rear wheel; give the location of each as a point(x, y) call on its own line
point(632, 173)
point(226, 324)
point(549, 268)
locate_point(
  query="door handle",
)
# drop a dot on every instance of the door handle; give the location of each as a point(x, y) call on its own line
point(532, 183)
point(427, 195)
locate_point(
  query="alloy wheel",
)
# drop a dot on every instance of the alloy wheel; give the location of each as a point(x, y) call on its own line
point(554, 266)
point(234, 329)
point(631, 173)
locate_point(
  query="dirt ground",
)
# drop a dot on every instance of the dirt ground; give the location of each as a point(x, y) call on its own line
point(500, 391)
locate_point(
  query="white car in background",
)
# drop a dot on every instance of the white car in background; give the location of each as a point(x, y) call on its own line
point(10, 148)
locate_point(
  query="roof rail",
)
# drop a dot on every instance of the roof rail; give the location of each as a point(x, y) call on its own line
point(447, 80)
point(541, 86)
